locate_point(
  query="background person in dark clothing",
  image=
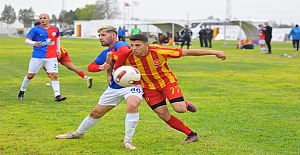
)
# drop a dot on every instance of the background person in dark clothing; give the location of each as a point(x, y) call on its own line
point(201, 36)
point(205, 36)
point(186, 35)
point(209, 35)
point(268, 36)
point(124, 38)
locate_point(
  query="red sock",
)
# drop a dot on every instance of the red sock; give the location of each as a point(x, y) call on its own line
point(81, 74)
point(177, 124)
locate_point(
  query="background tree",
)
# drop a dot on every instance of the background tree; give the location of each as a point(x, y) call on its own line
point(8, 15)
point(85, 13)
point(62, 16)
point(102, 9)
point(26, 17)
point(110, 8)
point(54, 19)
point(67, 17)
point(275, 25)
point(70, 17)
point(285, 26)
point(99, 11)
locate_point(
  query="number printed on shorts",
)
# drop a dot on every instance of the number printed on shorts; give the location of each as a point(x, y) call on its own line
point(175, 90)
point(135, 90)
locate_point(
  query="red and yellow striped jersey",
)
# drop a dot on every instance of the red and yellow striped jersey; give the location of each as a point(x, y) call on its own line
point(154, 68)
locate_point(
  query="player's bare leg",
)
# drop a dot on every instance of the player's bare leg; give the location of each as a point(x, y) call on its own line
point(80, 73)
point(183, 106)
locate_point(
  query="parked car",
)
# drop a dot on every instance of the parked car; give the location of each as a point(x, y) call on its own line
point(67, 32)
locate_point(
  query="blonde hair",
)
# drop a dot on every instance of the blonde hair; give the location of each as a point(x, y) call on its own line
point(107, 28)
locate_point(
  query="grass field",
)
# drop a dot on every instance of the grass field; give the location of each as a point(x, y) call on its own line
point(247, 105)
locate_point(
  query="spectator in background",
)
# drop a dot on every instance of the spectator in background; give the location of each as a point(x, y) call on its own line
point(135, 30)
point(125, 33)
point(201, 35)
point(262, 38)
point(209, 35)
point(295, 33)
point(268, 36)
point(186, 35)
point(121, 34)
point(205, 36)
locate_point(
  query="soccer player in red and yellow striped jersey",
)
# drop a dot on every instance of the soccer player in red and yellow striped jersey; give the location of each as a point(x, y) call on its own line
point(158, 81)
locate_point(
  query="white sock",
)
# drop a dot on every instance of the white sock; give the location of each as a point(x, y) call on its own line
point(56, 87)
point(86, 124)
point(85, 78)
point(131, 122)
point(25, 83)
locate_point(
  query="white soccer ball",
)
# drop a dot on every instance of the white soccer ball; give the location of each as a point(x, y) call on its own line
point(127, 76)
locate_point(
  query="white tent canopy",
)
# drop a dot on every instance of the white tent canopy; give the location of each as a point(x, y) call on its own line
point(251, 31)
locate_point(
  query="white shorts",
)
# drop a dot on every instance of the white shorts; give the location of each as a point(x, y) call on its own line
point(113, 97)
point(35, 64)
point(262, 42)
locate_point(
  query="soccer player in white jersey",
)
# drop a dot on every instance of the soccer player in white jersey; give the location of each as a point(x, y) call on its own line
point(114, 94)
point(45, 41)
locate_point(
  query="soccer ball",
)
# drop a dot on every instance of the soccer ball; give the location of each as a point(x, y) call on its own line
point(127, 76)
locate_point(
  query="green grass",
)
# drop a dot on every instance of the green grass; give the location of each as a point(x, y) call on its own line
point(248, 104)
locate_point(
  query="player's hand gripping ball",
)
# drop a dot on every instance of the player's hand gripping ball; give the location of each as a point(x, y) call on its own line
point(127, 76)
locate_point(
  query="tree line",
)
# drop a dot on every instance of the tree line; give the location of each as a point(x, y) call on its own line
point(102, 9)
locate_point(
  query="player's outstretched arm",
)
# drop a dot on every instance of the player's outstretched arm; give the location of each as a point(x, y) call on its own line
point(94, 67)
point(201, 52)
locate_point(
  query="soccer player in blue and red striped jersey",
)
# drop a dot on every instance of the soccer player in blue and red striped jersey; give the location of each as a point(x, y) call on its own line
point(114, 94)
point(158, 81)
point(67, 62)
point(45, 41)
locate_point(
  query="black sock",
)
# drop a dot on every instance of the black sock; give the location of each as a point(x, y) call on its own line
point(192, 134)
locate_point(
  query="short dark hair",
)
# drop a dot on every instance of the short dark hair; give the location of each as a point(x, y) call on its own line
point(140, 37)
point(296, 25)
point(259, 25)
point(37, 23)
